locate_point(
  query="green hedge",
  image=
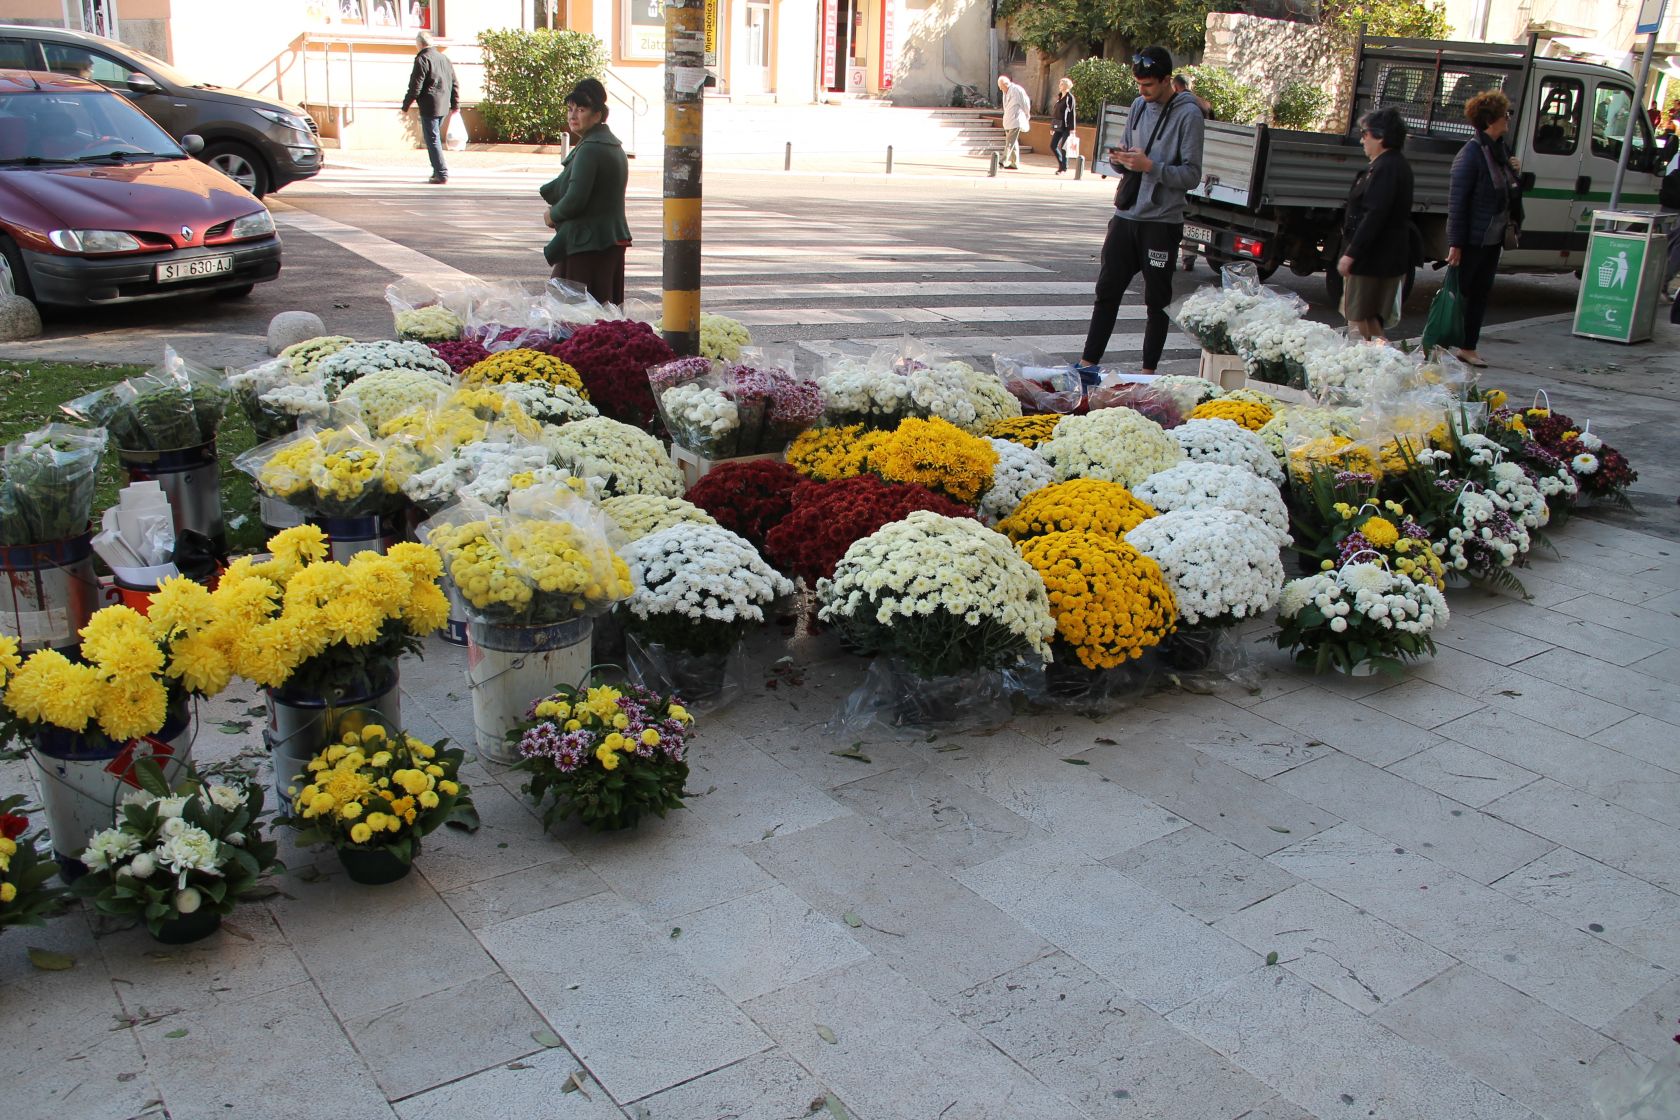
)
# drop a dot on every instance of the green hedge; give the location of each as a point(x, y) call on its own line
point(1096, 80)
point(527, 75)
point(1300, 105)
point(1228, 98)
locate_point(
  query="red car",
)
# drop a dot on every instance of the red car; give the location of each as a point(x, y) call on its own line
point(99, 205)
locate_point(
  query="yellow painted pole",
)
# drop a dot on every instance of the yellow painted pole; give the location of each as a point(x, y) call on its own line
point(685, 75)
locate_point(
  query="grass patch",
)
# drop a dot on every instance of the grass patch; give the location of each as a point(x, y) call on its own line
point(30, 393)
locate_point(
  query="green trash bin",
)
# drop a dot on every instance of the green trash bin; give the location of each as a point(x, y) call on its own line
point(1623, 275)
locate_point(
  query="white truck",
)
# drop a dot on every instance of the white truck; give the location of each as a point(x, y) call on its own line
point(1276, 196)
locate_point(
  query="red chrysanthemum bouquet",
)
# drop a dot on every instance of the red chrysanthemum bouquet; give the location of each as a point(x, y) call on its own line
point(460, 354)
point(748, 498)
point(1600, 470)
point(828, 517)
point(613, 357)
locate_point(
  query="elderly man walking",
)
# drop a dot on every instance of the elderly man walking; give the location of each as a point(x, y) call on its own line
point(431, 85)
point(1017, 115)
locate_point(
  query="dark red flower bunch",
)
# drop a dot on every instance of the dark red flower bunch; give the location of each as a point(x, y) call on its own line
point(1612, 474)
point(12, 825)
point(613, 357)
point(829, 517)
point(460, 355)
point(749, 498)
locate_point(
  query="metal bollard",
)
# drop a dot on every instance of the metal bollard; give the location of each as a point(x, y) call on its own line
point(992, 173)
point(1079, 171)
point(787, 157)
point(889, 159)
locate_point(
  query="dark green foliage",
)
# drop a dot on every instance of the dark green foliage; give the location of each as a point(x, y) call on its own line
point(527, 75)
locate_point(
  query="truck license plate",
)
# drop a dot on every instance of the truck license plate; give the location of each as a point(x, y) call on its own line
point(1201, 235)
point(193, 269)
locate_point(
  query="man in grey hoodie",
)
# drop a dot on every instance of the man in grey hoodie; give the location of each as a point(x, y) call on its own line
point(1162, 144)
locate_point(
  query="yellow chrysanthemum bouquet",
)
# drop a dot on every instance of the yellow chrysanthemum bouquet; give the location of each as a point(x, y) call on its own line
point(374, 792)
point(524, 365)
point(938, 455)
point(1252, 415)
point(321, 628)
point(328, 472)
point(1110, 601)
point(1084, 505)
point(1028, 431)
point(546, 559)
point(827, 454)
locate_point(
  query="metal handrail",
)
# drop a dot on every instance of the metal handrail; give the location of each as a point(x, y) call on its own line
point(636, 103)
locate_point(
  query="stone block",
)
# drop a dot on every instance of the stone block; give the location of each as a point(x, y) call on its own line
point(291, 327)
point(18, 319)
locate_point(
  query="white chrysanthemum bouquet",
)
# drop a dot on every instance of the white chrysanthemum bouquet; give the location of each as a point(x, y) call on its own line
point(1359, 618)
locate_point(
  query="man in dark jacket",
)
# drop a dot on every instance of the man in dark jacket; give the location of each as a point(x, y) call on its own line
point(431, 84)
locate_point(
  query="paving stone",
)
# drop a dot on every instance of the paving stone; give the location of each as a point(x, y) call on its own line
point(1664, 666)
point(1196, 870)
point(763, 941)
point(767, 1086)
point(1630, 690)
point(1542, 592)
point(1588, 895)
point(1154, 951)
point(1233, 735)
point(938, 817)
point(1421, 703)
point(1246, 811)
point(934, 929)
point(509, 839)
point(517, 893)
point(1652, 622)
point(247, 1059)
point(1514, 1043)
point(671, 866)
point(1631, 589)
point(1610, 774)
point(1594, 827)
point(538, 1087)
point(1462, 773)
point(446, 1035)
point(1578, 974)
point(896, 1053)
point(1323, 1054)
point(1080, 809)
point(754, 794)
point(1572, 632)
point(67, 1053)
point(1336, 947)
point(808, 753)
point(1650, 740)
point(1108, 1054)
point(1348, 725)
point(1649, 1026)
point(347, 934)
point(1278, 1108)
point(621, 996)
point(1456, 835)
point(225, 967)
point(1490, 642)
point(1521, 692)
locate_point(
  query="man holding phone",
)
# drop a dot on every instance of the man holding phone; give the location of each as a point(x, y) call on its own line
point(1158, 160)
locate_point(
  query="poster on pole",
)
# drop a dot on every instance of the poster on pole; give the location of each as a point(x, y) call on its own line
point(711, 33)
point(1650, 17)
point(887, 44)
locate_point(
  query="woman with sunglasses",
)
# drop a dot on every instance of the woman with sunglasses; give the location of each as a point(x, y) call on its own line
point(1484, 211)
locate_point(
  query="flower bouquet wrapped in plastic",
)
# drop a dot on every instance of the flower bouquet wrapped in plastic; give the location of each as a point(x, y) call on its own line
point(47, 484)
point(277, 396)
point(355, 361)
point(624, 459)
point(173, 405)
point(612, 359)
point(422, 314)
point(327, 472)
point(386, 394)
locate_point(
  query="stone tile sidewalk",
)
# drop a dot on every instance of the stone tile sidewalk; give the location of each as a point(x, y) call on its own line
point(1468, 877)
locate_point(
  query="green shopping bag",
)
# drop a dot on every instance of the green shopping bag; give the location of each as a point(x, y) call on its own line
point(1445, 325)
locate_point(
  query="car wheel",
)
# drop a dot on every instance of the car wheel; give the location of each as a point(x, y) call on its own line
point(14, 277)
point(240, 164)
point(236, 293)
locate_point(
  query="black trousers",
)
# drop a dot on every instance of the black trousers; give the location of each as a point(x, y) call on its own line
point(1132, 247)
point(1475, 284)
point(1058, 145)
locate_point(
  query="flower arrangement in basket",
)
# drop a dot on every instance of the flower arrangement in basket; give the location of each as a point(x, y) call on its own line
point(317, 627)
point(47, 484)
point(1202, 486)
point(1599, 469)
point(830, 454)
point(938, 455)
point(944, 595)
point(698, 587)
point(373, 793)
point(1338, 515)
point(1359, 618)
point(1083, 505)
point(1109, 601)
point(639, 515)
point(627, 460)
point(1028, 431)
point(606, 755)
point(1114, 445)
point(749, 498)
point(1224, 441)
point(1222, 564)
point(26, 899)
point(612, 357)
point(827, 518)
point(1470, 521)
point(179, 859)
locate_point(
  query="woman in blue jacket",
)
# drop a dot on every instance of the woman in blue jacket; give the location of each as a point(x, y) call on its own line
point(1484, 211)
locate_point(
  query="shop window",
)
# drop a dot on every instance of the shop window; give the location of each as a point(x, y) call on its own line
point(548, 15)
point(380, 15)
point(1557, 128)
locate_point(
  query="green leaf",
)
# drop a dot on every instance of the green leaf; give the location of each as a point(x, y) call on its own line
point(178, 1032)
point(546, 1038)
point(48, 961)
point(1278, 828)
point(852, 753)
point(851, 919)
point(676, 932)
point(1272, 957)
point(150, 777)
point(1076, 761)
point(234, 726)
point(827, 1035)
point(835, 1108)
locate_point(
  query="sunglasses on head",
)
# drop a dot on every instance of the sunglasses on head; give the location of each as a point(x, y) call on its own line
point(1145, 67)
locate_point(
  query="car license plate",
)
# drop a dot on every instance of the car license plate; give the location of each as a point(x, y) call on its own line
point(193, 269)
point(1201, 235)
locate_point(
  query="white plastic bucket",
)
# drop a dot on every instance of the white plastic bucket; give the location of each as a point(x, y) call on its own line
point(82, 788)
point(509, 667)
point(300, 727)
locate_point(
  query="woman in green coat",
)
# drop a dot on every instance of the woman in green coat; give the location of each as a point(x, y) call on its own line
point(586, 200)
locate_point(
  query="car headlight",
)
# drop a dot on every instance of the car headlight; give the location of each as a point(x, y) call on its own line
point(94, 240)
point(286, 120)
point(253, 225)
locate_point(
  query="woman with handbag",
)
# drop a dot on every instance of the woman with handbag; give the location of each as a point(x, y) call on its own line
point(1377, 228)
point(1062, 123)
point(1484, 211)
